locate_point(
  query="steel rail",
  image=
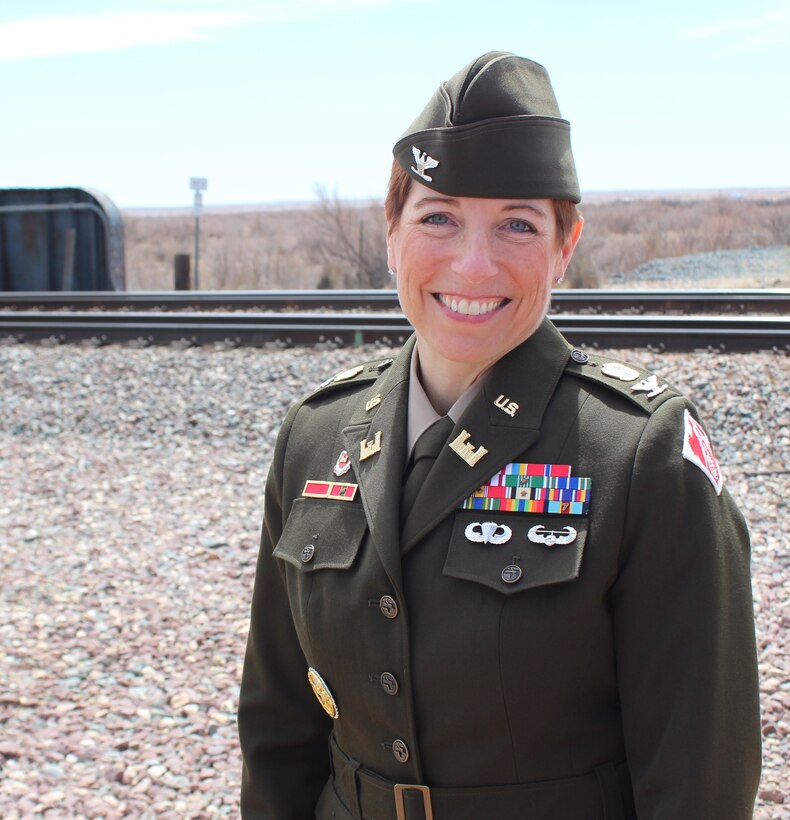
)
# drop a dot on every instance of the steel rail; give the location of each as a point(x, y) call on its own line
point(769, 301)
point(732, 333)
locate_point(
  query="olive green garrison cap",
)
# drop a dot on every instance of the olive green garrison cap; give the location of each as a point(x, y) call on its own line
point(492, 130)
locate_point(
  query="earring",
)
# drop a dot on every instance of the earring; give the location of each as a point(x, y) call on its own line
point(557, 280)
point(390, 271)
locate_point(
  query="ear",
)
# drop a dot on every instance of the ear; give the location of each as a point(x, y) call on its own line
point(568, 247)
point(391, 238)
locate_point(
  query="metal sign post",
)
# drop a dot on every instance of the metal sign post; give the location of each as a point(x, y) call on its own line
point(197, 184)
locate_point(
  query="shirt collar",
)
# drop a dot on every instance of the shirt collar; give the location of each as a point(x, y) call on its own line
point(421, 414)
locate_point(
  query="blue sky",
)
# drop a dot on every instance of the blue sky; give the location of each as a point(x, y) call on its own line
point(270, 99)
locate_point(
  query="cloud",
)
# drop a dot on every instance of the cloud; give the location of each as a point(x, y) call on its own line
point(115, 30)
point(769, 27)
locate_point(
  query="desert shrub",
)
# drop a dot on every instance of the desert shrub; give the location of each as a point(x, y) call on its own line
point(338, 244)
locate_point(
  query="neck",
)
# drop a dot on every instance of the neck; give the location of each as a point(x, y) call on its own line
point(444, 381)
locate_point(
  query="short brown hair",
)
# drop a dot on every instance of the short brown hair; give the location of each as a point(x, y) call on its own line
point(565, 211)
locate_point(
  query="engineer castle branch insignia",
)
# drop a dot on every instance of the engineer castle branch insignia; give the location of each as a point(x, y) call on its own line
point(423, 162)
point(466, 450)
point(370, 447)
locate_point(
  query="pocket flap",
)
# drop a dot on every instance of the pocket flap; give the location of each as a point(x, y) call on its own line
point(321, 534)
point(512, 552)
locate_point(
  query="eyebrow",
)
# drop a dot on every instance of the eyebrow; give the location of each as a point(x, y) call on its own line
point(520, 206)
point(429, 200)
point(444, 200)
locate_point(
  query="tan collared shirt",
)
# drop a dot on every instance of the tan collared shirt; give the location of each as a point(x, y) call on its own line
point(421, 414)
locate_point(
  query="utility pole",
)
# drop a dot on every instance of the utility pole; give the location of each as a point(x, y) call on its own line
point(198, 185)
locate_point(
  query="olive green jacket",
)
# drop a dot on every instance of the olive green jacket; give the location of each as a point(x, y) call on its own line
point(633, 643)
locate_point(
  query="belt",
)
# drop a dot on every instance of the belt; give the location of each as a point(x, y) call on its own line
point(603, 794)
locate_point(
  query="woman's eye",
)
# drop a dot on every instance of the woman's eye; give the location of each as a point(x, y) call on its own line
point(520, 226)
point(436, 219)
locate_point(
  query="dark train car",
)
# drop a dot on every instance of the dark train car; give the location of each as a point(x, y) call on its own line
point(60, 239)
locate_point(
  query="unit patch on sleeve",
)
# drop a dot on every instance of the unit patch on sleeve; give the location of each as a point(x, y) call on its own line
point(533, 488)
point(698, 450)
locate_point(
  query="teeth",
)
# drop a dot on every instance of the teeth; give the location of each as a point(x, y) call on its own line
point(470, 307)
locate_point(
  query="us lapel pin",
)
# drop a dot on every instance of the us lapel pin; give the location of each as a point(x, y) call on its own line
point(373, 402)
point(506, 406)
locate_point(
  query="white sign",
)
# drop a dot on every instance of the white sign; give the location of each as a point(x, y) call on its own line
point(198, 183)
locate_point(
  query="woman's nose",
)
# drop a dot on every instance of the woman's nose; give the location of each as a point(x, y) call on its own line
point(473, 258)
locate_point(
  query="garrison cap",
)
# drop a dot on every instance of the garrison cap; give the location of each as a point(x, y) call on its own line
point(492, 130)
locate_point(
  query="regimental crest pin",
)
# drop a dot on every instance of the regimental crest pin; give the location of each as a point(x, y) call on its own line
point(342, 465)
point(342, 376)
point(542, 535)
point(488, 532)
point(321, 691)
point(617, 370)
point(423, 162)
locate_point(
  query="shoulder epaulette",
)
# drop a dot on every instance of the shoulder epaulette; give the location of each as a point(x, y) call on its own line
point(360, 374)
point(640, 386)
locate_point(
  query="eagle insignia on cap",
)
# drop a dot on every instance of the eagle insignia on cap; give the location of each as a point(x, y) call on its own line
point(424, 163)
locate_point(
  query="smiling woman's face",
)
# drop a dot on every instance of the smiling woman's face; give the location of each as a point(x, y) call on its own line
point(474, 275)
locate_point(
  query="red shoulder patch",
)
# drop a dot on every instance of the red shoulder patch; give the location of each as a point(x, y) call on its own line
point(698, 450)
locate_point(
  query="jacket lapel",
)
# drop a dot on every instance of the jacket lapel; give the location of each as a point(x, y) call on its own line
point(504, 418)
point(380, 474)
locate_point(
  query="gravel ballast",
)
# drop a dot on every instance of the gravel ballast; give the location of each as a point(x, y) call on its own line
point(131, 486)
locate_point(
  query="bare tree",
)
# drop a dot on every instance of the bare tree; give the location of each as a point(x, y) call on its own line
point(349, 242)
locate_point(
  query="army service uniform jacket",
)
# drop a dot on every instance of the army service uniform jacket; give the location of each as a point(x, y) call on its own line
point(608, 670)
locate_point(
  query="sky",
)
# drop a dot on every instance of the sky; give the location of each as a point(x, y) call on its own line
point(271, 101)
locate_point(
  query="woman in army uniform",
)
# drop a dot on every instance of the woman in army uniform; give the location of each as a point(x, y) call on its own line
point(499, 577)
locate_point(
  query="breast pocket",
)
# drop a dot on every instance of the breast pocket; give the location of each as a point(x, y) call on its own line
point(321, 534)
point(514, 552)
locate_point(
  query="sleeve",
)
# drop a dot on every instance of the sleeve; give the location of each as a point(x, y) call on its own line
point(684, 637)
point(283, 731)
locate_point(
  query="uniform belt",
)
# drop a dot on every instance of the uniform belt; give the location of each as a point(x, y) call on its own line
point(603, 794)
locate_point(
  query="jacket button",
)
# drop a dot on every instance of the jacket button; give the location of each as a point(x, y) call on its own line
point(400, 751)
point(511, 573)
point(388, 607)
point(307, 553)
point(389, 683)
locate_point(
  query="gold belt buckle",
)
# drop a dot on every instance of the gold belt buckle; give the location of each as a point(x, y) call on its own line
point(400, 806)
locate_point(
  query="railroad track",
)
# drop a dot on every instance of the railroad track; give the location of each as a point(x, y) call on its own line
point(669, 332)
point(773, 301)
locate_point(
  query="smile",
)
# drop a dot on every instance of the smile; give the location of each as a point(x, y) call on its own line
point(470, 307)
